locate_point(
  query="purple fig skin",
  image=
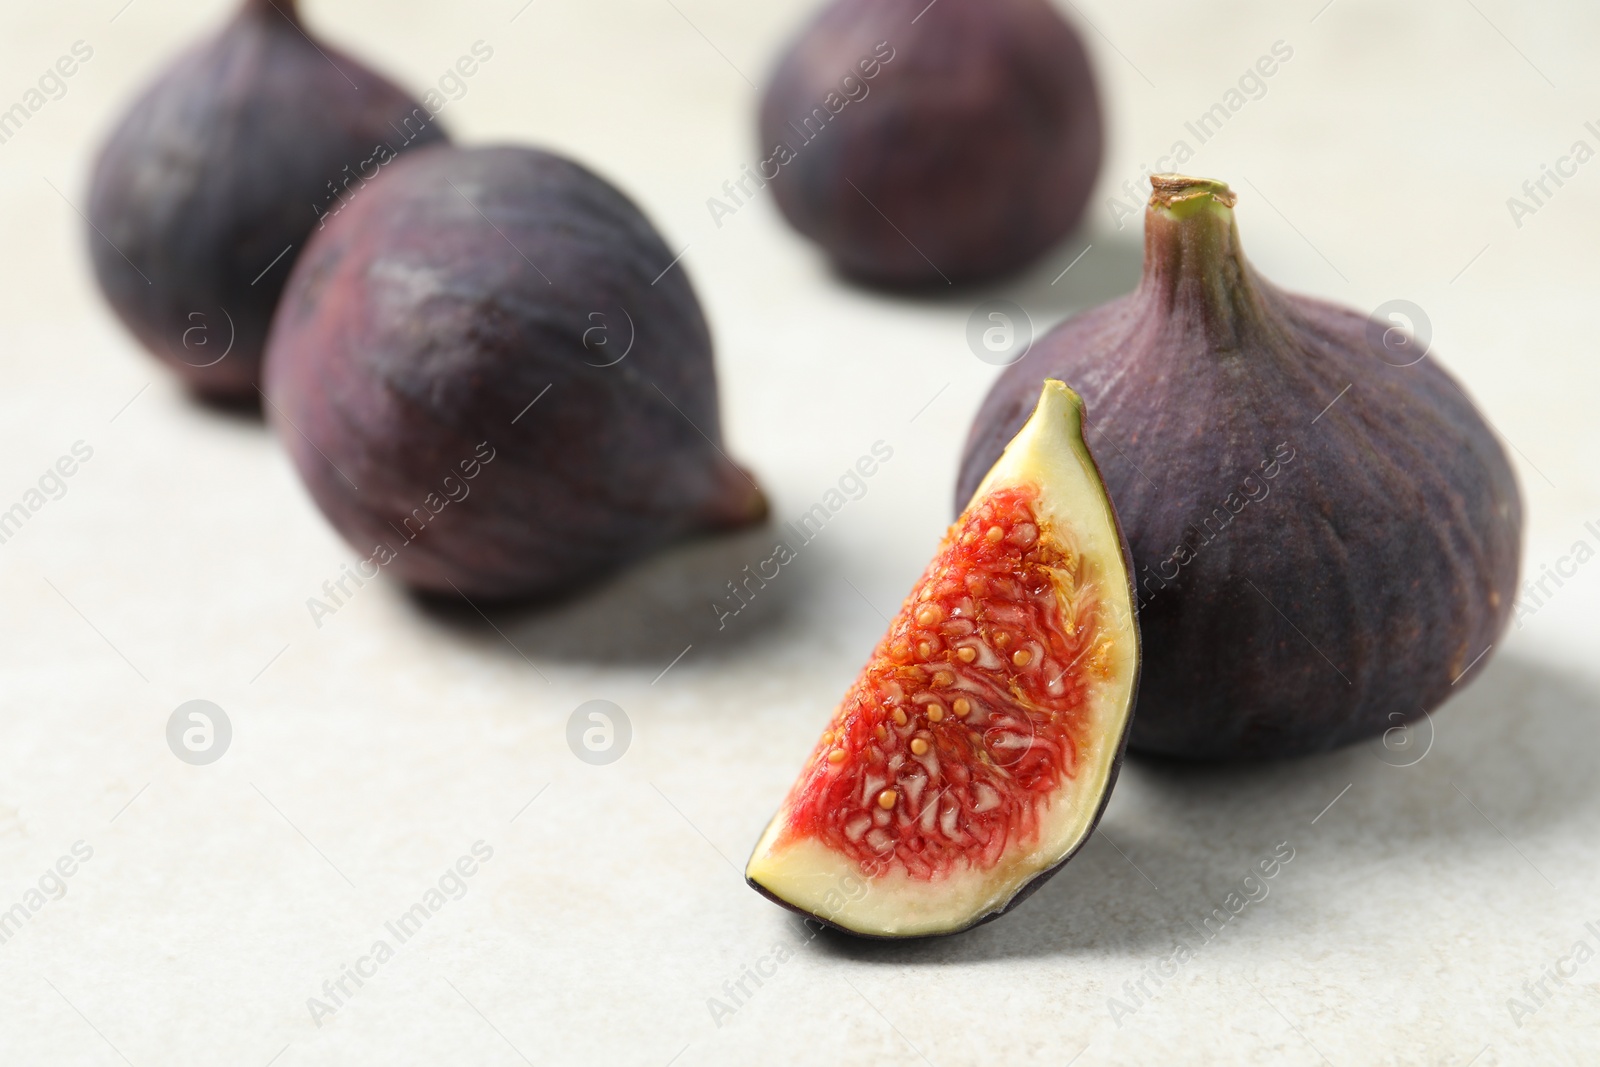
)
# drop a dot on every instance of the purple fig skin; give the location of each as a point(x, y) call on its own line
point(448, 316)
point(972, 152)
point(1349, 593)
point(220, 166)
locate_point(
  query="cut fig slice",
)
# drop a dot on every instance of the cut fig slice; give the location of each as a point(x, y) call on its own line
point(974, 754)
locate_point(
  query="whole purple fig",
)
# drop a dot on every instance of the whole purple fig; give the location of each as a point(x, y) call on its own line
point(1325, 532)
point(927, 144)
point(212, 181)
point(494, 377)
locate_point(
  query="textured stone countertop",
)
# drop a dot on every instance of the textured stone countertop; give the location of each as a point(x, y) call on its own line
point(606, 910)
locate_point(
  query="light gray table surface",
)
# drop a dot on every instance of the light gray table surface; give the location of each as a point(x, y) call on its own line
point(372, 751)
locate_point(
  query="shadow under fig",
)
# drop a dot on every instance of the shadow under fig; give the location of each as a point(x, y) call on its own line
point(1096, 904)
point(242, 410)
point(1520, 744)
point(645, 614)
point(1083, 270)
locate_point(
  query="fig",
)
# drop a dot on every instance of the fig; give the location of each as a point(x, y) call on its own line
point(211, 182)
point(975, 752)
point(1325, 532)
point(925, 144)
point(416, 340)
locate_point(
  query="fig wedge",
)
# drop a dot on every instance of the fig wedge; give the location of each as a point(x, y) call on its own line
point(975, 752)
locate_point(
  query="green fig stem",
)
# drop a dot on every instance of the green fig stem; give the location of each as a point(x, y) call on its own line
point(1193, 264)
point(1181, 195)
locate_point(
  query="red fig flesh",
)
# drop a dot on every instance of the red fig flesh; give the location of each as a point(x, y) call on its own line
point(975, 752)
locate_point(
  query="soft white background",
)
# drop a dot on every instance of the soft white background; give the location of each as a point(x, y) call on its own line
point(376, 749)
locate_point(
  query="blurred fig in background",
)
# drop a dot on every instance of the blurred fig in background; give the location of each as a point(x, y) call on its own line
point(925, 145)
point(211, 182)
point(495, 379)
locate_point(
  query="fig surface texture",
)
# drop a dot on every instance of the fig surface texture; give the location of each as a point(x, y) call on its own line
point(927, 145)
point(1325, 532)
point(211, 182)
point(489, 378)
point(975, 752)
